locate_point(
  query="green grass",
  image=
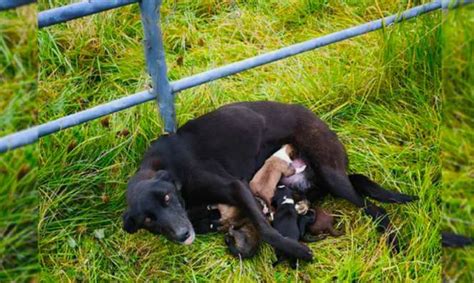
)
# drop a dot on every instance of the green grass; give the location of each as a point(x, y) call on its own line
point(18, 197)
point(457, 140)
point(379, 92)
point(382, 93)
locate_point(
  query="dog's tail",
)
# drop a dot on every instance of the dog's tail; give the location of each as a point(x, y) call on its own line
point(367, 187)
point(452, 240)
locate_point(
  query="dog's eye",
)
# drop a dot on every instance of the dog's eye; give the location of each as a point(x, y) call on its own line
point(167, 198)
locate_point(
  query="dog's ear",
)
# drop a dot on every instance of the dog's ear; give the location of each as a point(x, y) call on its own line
point(129, 224)
point(164, 175)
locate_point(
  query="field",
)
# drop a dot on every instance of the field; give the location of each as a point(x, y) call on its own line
point(19, 197)
point(400, 100)
point(457, 140)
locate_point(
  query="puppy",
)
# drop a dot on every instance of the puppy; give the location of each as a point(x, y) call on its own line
point(243, 241)
point(285, 219)
point(322, 225)
point(264, 182)
point(242, 238)
point(304, 221)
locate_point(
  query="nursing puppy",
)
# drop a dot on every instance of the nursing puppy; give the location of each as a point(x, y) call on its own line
point(243, 241)
point(285, 220)
point(242, 238)
point(317, 223)
point(324, 224)
point(264, 182)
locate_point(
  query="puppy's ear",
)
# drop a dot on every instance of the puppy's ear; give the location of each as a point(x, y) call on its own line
point(163, 175)
point(129, 224)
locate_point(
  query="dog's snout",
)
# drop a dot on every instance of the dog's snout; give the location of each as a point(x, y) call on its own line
point(183, 235)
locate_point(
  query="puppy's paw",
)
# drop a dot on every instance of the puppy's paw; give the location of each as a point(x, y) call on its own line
point(302, 207)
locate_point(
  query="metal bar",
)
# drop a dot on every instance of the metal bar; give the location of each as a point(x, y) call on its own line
point(450, 4)
point(78, 10)
point(31, 135)
point(10, 4)
point(300, 47)
point(156, 62)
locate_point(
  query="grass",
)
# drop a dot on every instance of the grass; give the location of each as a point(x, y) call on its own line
point(18, 197)
point(382, 93)
point(457, 140)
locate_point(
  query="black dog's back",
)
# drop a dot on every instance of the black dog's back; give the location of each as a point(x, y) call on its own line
point(285, 219)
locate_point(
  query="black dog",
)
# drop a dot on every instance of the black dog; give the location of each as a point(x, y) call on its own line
point(285, 220)
point(211, 159)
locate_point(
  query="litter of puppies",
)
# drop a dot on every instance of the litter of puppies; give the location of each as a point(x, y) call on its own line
point(275, 186)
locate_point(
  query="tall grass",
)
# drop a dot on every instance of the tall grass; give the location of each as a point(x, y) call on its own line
point(457, 139)
point(382, 93)
point(18, 109)
point(379, 92)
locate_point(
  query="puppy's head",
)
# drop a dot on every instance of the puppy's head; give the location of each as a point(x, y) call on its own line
point(282, 193)
point(154, 204)
point(243, 241)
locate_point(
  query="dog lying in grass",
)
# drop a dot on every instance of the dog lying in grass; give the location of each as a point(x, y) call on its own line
point(188, 168)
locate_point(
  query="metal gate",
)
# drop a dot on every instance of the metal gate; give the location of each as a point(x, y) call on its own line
point(163, 90)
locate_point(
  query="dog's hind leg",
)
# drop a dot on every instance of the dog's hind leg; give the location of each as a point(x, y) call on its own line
point(339, 185)
point(367, 187)
point(452, 240)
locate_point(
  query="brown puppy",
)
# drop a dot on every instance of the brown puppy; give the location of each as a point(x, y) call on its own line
point(242, 238)
point(265, 181)
point(230, 217)
point(323, 224)
point(243, 241)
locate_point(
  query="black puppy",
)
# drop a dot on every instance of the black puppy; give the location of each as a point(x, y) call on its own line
point(304, 220)
point(204, 218)
point(285, 220)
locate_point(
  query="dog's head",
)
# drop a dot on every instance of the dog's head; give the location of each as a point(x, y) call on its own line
point(154, 204)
